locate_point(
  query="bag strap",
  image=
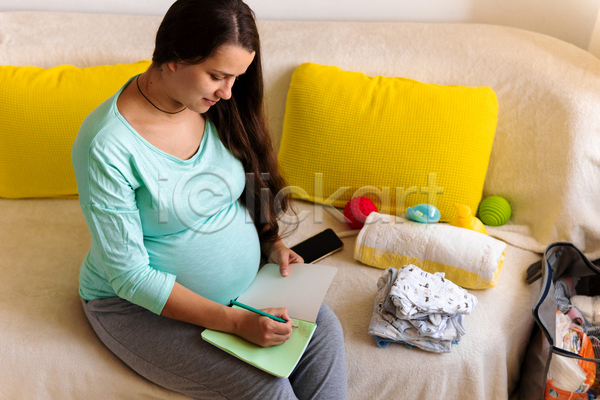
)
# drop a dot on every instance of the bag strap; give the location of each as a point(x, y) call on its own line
point(566, 353)
point(534, 272)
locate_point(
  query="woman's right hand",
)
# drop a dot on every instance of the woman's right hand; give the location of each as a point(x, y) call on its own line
point(185, 305)
point(263, 331)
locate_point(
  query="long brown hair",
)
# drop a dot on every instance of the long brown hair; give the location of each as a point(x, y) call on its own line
point(191, 32)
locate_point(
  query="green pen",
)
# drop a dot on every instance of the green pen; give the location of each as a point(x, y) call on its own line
point(259, 312)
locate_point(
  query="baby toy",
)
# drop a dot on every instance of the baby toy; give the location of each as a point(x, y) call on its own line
point(357, 210)
point(494, 211)
point(423, 213)
point(464, 219)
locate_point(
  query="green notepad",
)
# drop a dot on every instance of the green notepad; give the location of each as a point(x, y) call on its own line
point(277, 360)
point(302, 293)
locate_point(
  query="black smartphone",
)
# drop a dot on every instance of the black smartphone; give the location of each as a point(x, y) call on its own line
point(319, 246)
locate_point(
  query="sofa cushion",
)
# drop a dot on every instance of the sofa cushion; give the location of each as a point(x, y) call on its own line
point(413, 142)
point(41, 111)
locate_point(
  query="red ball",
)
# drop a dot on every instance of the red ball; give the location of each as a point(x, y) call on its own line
point(357, 210)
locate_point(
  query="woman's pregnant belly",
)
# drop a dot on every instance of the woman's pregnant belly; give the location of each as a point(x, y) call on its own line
point(217, 264)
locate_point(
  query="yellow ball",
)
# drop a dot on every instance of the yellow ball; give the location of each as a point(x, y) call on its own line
point(494, 211)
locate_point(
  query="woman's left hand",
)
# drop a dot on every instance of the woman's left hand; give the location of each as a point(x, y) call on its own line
point(279, 253)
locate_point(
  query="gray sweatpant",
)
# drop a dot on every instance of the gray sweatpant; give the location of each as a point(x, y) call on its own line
point(172, 354)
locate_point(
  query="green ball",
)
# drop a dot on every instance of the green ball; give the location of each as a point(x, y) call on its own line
point(494, 211)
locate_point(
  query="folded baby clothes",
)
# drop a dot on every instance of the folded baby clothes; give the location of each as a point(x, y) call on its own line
point(564, 291)
point(386, 328)
point(403, 313)
point(417, 293)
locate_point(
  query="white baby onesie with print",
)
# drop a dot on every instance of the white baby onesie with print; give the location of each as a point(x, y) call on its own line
point(418, 293)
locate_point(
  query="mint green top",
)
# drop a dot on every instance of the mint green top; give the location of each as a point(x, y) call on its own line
point(155, 219)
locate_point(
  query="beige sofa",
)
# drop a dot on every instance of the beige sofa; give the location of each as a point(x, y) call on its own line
point(545, 161)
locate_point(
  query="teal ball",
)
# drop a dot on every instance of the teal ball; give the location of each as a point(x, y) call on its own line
point(494, 211)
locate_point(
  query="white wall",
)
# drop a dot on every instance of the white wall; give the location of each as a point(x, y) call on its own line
point(570, 20)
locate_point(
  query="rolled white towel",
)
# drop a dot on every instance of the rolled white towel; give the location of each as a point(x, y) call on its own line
point(468, 258)
point(589, 307)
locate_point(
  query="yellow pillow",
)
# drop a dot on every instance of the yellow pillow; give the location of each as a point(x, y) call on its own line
point(41, 111)
point(410, 142)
